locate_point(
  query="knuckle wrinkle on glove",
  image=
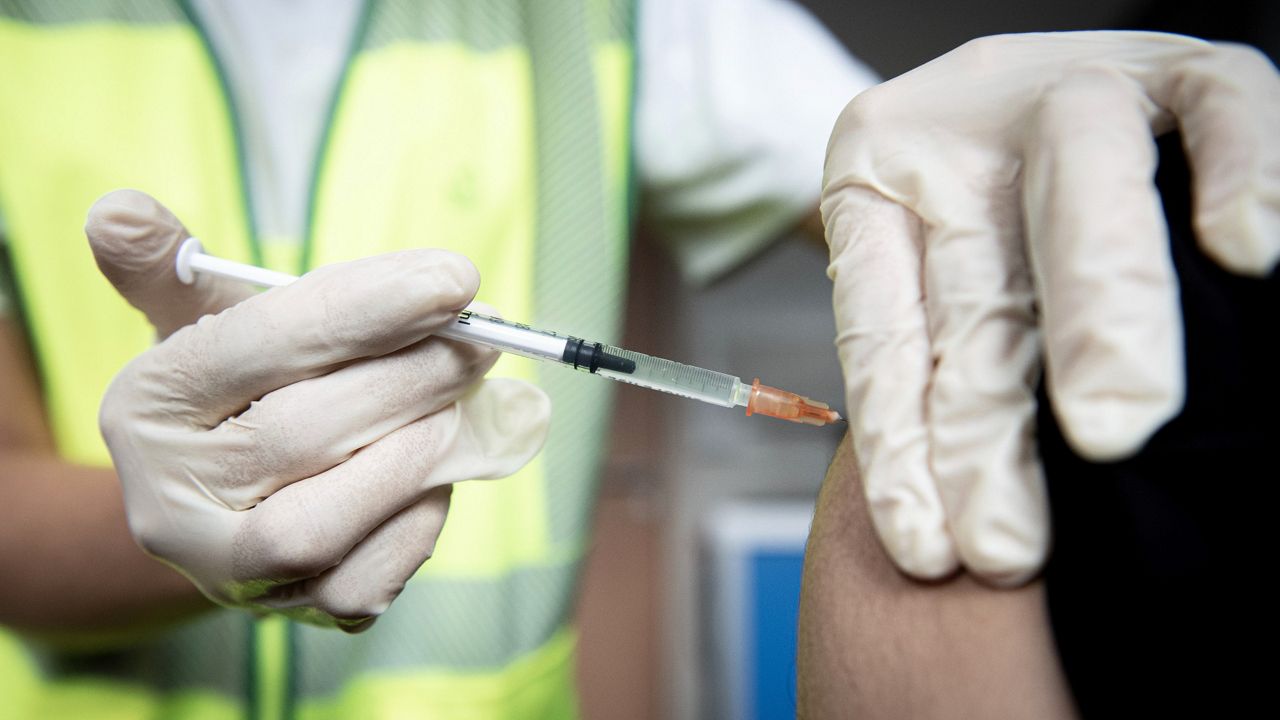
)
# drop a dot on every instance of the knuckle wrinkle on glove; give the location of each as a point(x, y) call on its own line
point(279, 553)
point(266, 450)
point(183, 367)
point(436, 365)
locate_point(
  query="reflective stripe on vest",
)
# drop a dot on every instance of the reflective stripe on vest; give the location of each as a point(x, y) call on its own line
point(483, 126)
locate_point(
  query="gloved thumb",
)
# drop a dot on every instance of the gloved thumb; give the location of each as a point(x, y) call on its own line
point(135, 240)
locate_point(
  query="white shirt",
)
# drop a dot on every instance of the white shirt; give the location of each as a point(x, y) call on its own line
point(736, 99)
point(735, 102)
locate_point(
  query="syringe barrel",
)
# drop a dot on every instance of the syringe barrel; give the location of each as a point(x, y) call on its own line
point(675, 378)
point(506, 336)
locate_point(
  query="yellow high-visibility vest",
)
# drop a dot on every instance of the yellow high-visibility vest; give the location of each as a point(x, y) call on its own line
point(495, 128)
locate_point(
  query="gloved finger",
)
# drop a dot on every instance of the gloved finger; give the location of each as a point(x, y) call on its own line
point(308, 427)
point(326, 319)
point(135, 240)
point(353, 594)
point(1228, 106)
point(1100, 251)
point(309, 526)
point(884, 347)
point(980, 402)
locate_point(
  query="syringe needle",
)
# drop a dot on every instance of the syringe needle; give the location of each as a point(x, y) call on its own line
point(788, 406)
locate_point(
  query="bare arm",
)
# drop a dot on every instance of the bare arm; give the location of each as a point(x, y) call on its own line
point(874, 643)
point(68, 564)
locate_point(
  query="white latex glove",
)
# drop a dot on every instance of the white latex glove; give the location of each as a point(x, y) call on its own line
point(1006, 187)
point(294, 452)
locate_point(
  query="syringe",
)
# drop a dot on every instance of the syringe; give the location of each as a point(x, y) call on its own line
point(596, 358)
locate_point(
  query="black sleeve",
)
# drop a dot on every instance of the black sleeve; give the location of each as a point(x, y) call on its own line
point(1156, 583)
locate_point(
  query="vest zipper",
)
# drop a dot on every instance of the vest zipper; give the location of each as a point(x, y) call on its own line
point(326, 135)
point(233, 115)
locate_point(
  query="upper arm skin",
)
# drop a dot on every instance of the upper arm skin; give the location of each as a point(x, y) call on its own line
point(874, 643)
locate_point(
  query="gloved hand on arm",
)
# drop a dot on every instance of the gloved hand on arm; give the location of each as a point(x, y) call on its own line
point(999, 201)
point(293, 451)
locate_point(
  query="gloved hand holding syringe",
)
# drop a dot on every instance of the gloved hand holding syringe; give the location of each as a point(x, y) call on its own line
point(596, 358)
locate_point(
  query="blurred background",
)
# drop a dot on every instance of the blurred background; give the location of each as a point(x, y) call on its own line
point(688, 608)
